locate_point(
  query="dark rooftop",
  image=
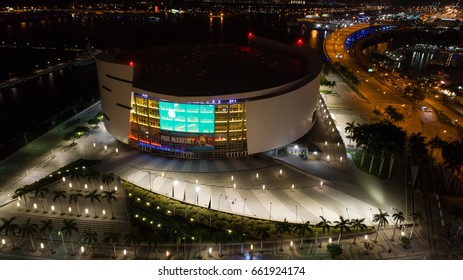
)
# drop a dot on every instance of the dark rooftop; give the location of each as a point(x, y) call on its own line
point(213, 69)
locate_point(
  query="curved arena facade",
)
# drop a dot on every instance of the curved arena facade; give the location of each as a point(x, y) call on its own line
point(212, 100)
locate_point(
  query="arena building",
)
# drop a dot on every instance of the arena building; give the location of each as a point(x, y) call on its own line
point(211, 100)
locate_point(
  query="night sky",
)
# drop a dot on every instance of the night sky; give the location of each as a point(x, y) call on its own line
point(4, 3)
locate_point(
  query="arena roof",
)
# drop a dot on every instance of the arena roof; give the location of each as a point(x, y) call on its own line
point(212, 69)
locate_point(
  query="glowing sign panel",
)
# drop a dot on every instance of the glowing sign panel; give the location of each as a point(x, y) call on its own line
point(180, 117)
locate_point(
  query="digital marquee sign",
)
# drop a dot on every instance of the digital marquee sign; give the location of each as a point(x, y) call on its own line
point(182, 117)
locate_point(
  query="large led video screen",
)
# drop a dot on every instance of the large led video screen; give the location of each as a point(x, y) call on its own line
point(182, 117)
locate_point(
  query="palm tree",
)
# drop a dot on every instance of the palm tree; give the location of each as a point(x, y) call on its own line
point(9, 227)
point(452, 154)
point(394, 115)
point(133, 238)
point(219, 237)
point(342, 225)
point(417, 153)
point(91, 237)
point(398, 217)
point(27, 230)
point(350, 129)
point(301, 229)
point(75, 197)
point(41, 191)
point(78, 174)
point(58, 194)
point(200, 233)
point(436, 143)
point(154, 237)
point(23, 192)
point(47, 227)
point(94, 195)
point(93, 176)
point(110, 196)
point(113, 237)
point(107, 179)
point(417, 218)
point(325, 225)
point(263, 233)
point(282, 228)
point(381, 219)
point(69, 227)
point(358, 224)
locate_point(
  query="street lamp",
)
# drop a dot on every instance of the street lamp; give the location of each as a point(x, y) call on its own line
point(270, 211)
point(263, 188)
point(218, 205)
point(197, 194)
point(296, 213)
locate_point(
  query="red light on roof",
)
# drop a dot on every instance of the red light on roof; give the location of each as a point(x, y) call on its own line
point(131, 63)
point(299, 41)
point(250, 35)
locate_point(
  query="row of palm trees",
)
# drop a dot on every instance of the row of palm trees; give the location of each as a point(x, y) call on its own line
point(92, 176)
point(355, 225)
point(94, 196)
point(69, 228)
point(153, 236)
point(74, 197)
point(385, 139)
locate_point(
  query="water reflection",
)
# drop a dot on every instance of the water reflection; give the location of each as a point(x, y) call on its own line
point(313, 39)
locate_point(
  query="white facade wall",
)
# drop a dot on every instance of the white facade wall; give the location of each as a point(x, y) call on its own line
point(276, 121)
point(117, 118)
